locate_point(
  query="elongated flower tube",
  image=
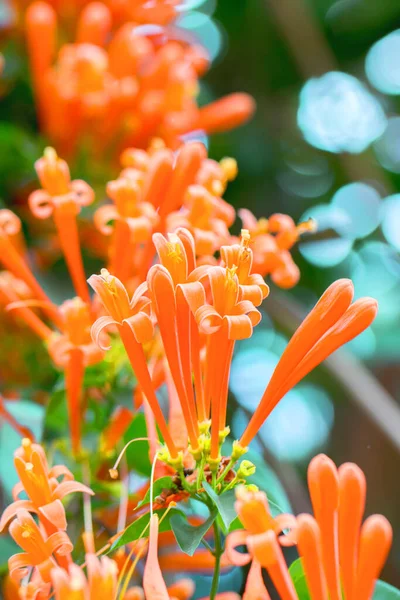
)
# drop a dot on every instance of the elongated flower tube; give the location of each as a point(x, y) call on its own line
point(165, 282)
point(63, 199)
point(74, 350)
point(10, 226)
point(341, 556)
point(225, 320)
point(333, 321)
point(41, 32)
point(14, 291)
point(39, 551)
point(133, 321)
point(40, 483)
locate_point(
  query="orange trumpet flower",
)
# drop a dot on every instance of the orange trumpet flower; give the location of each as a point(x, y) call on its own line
point(41, 485)
point(254, 513)
point(225, 320)
point(334, 321)
point(39, 551)
point(74, 350)
point(132, 318)
point(63, 198)
point(134, 221)
point(251, 285)
point(101, 581)
point(272, 240)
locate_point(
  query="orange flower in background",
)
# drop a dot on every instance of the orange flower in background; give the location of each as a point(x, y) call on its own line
point(204, 213)
point(101, 581)
point(338, 552)
point(63, 198)
point(12, 259)
point(333, 322)
point(134, 221)
point(272, 240)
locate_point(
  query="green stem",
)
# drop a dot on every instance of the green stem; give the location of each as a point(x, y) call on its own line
point(217, 567)
point(226, 471)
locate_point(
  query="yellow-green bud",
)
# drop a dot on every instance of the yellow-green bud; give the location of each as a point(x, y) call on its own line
point(238, 451)
point(214, 463)
point(246, 468)
point(204, 426)
point(224, 434)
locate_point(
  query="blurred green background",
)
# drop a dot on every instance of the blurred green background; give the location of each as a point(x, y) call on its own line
point(325, 142)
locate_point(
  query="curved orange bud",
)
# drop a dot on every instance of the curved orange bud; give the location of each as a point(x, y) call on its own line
point(94, 24)
point(227, 113)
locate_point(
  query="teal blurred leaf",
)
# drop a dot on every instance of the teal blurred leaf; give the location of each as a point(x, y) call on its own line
point(384, 591)
point(268, 482)
point(7, 548)
point(29, 415)
point(224, 504)
point(189, 536)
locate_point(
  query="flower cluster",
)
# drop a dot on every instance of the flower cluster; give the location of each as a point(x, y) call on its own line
point(121, 87)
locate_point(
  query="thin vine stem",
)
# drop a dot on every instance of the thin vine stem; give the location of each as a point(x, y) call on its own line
point(217, 567)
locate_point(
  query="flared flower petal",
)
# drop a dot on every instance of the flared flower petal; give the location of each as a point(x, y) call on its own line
point(70, 487)
point(142, 327)
point(98, 328)
point(41, 205)
point(55, 513)
point(11, 511)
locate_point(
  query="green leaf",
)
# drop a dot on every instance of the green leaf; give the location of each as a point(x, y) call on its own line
point(137, 454)
point(164, 483)
point(189, 536)
point(224, 503)
point(136, 529)
point(299, 579)
point(384, 591)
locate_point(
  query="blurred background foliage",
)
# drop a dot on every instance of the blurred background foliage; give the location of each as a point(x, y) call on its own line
point(325, 143)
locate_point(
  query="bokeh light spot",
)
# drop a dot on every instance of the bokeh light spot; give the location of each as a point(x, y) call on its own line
point(337, 113)
point(387, 147)
point(382, 64)
point(391, 220)
point(205, 30)
point(362, 204)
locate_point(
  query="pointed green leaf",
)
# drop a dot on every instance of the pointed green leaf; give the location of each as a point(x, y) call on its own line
point(299, 580)
point(164, 483)
point(189, 536)
point(140, 527)
point(384, 591)
point(224, 503)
